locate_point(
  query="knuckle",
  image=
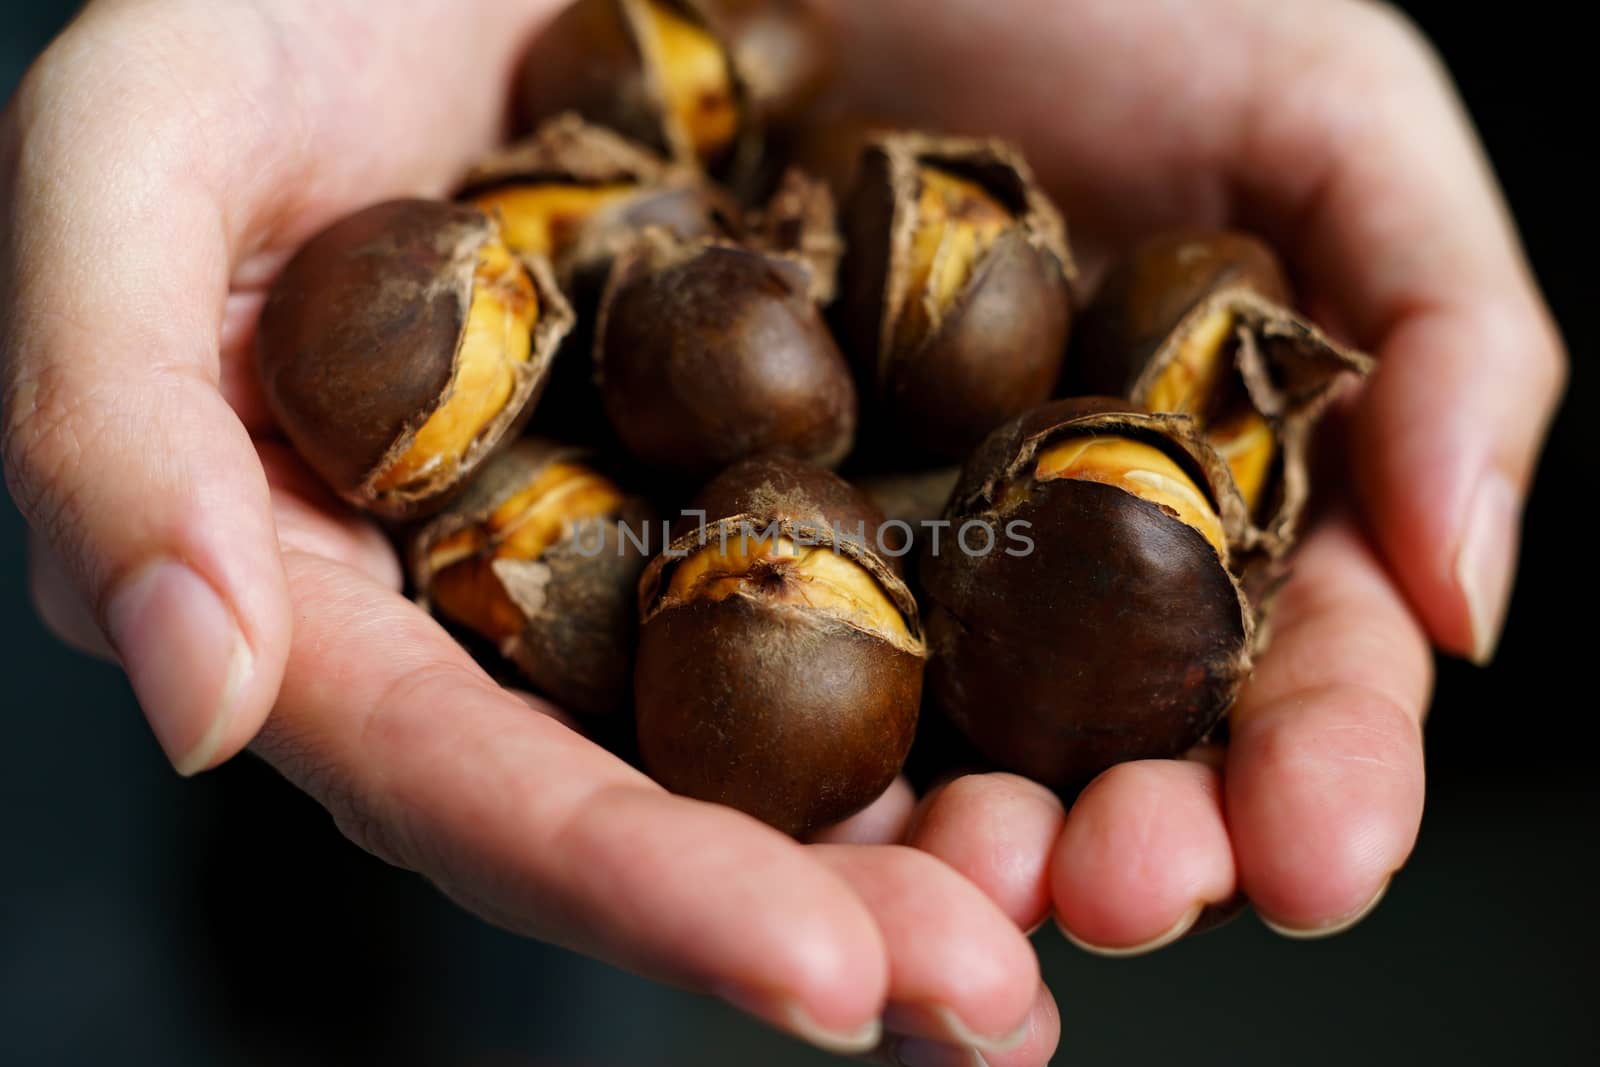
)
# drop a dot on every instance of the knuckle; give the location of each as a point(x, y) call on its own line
point(47, 429)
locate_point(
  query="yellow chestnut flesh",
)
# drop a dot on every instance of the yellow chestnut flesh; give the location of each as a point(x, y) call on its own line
point(777, 569)
point(1191, 379)
point(545, 220)
point(1138, 468)
point(1248, 443)
point(1188, 385)
point(498, 338)
point(695, 78)
point(957, 223)
point(465, 587)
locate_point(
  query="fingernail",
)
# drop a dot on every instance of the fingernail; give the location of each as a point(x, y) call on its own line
point(1331, 929)
point(1487, 560)
point(787, 1015)
point(919, 1052)
point(940, 1024)
point(185, 657)
point(1180, 928)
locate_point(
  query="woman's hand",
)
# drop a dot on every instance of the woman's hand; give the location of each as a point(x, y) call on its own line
point(160, 163)
point(1331, 129)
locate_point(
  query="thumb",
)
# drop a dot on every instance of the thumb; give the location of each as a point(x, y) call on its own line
point(119, 449)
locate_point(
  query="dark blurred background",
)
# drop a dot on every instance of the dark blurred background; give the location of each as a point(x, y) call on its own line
point(224, 921)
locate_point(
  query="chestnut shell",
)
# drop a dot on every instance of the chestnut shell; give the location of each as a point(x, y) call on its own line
point(998, 350)
point(580, 621)
point(358, 342)
point(708, 353)
point(1129, 334)
point(1120, 636)
point(794, 716)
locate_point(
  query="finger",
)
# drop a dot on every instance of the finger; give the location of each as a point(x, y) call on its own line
point(309, 518)
point(1397, 225)
point(59, 604)
point(425, 762)
point(1325, 773)
point(959, 971)
point(883, 822)
point(997, 831)
point(118, 448)
point(1040, 1036)
point(1145, 850)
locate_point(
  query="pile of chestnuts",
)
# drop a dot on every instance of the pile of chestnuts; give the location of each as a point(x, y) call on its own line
point(685, 439)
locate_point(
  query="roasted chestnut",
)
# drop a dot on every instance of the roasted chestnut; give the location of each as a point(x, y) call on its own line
point(575, 193)
point(402, 346)
point(698, 80)
point(541, 556)
point(956, 291)
point(1198, 323)
point(708, 353)
point(1081, 611)
point(780, 656)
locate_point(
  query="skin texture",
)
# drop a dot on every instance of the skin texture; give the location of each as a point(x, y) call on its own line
point(231, 586)
point(709, 355)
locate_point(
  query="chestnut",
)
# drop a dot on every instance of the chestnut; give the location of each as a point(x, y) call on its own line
point(402, 346)
point(697, 80)
point(780, 656)
point(1199, 323)
point(533, 558)
point(1081, 611)
point(575, 193)
point(707, 353)
point(956, 290)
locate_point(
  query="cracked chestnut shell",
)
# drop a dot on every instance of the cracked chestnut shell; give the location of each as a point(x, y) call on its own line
point(708, 353)
point(402, 346)
point(956, 291)
point(532, 557)
point(779, 671)
point(1119, 633)
point(576, 194)
point(1199, 323)
point(698, 80)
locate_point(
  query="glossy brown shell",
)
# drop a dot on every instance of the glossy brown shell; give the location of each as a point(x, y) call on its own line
point(1120, 636)
point(578, 600)
point(708, 353)
point(792, 715)
point(1131, 332)
point(358, 342)
point(998, 349)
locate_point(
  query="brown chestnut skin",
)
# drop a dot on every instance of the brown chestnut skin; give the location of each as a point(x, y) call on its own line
point(1199, 322)
point(708, 353)
point(363, 334)
point(561, 605)
point(988, 341)
point(730, 71)
point(1121, 635)
point(789, 690)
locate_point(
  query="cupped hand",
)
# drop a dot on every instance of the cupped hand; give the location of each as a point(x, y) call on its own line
point(160, 163)
point(1332, 130)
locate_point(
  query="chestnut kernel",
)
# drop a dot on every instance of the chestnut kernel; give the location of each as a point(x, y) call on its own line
point(1106, 625)
point(1199, 323)
point(956, 283)
point(707, 353)
point(532, 557)
point(780, 655)
point(402, 346)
